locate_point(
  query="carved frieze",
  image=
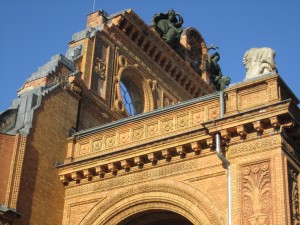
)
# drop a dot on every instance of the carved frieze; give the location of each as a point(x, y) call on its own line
point(110, 141)
point(182, 121)
point(124, 137)
point(198, 117)
point(253, 146)
point(167, 125)
point(213, 112)
point(152, 129)
point(177, 122)
point(138, 133)
point(256, 194)
point(97, 145)
point(294, 195)
point(84, 148)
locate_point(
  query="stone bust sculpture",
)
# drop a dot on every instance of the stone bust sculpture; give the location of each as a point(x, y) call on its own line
point(169, 25)
point(259, 61)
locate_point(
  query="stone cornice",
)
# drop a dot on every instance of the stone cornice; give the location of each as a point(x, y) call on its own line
point(268, 111)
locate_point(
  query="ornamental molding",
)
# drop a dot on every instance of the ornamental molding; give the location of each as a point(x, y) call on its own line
point(254, 146)
point(144, 194)
point(137, 175)
point(145, 131)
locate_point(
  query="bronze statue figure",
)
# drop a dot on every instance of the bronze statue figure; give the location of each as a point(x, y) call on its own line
point(219, 81)
point(169, 27)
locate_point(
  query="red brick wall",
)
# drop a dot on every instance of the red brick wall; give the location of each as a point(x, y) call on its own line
point(41, 195)
point(6, 153)
point(90, 115)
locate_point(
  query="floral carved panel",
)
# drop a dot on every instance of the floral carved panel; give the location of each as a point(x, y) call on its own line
point(257, 194)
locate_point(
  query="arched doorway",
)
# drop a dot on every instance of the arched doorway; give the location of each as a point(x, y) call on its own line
point(171, 200)
point(155, 217)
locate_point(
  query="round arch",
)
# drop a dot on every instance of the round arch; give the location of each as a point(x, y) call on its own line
point(131, 74)
point(155, 217)
point(167, 195)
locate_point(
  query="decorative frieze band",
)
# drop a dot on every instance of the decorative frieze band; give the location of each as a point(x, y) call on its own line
point(141, 132)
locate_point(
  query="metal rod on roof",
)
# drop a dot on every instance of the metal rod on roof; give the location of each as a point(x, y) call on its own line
point(94, 5)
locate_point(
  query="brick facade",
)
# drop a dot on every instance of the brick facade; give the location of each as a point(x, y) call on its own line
point(84, 160)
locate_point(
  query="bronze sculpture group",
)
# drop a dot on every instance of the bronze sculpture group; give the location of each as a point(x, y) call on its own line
point(169, 26)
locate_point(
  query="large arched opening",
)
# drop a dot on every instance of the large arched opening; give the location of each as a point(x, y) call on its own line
point(156, 217)
point(169, 199)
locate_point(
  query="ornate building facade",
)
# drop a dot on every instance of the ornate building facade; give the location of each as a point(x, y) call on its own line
point(126, 129)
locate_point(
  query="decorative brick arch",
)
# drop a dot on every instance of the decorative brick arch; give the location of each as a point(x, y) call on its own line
point(169, 195)
point(145, 86)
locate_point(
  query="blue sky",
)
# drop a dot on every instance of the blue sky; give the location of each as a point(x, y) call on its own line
point(32, 31)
